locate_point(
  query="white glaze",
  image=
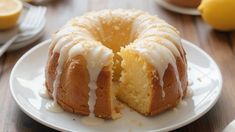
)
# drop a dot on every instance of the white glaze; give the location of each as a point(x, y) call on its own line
point(66, 30)
point(149, 29)
point(63, 55)
point(165, 42)
point(160, 57)
point(189, 92)
point(183, 103)
point(147, 26)
point(97, 56)
point(53, 107)
point(96, 24)
point(60, 43)
point(166, 33)
point(44, 93)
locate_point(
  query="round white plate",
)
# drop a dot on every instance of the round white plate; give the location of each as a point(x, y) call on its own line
point(27, 80)
point(178, 9)
point(23, 41)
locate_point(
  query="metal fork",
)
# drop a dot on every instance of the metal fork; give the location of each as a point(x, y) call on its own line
point(28, 26)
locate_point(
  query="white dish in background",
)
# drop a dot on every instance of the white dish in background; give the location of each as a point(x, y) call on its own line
point(27, 80)
point(23, 41)
point(178, 9)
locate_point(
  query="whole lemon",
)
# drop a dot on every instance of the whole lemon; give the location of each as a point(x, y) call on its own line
point(220, 14)
point(9, 13)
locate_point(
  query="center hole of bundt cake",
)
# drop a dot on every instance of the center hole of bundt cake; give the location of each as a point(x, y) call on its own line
point(115, 35)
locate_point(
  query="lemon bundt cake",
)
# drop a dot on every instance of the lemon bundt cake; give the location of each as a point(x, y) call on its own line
point(138, 52)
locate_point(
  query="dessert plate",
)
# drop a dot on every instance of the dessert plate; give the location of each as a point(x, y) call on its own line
point(27, 81)
point(178, 9)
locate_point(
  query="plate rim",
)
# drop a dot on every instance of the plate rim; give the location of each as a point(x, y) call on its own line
point(177, 9)
point(169, 128)
point(29, 40)
point(18, 44)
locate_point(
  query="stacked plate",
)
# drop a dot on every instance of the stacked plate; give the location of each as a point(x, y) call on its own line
point(23, 41)
point(178, 9)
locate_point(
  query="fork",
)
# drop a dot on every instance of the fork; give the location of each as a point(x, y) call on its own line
point(28, 26)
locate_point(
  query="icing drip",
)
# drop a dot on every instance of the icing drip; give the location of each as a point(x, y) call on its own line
point(44, 93)
point(59, 68)
point(160, 57)
point(151, 33)
point(97, 56)
point(61, 42)
point(183, 103)
point(189, 92)
point(166, 33)
point(66, 30)
point(64, 40)
point(53, 107)
point(163, 41)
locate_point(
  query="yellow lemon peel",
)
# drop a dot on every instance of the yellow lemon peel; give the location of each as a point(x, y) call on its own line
point(9, 12)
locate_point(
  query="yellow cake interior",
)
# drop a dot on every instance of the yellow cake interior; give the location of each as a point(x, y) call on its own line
point(135, 87)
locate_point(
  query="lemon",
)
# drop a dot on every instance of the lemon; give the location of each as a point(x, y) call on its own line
point(219, 13)
point(9, 12)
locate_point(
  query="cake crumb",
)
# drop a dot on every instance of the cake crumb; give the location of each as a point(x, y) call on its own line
point(136, 122)
point(175, 109)
point(119, 106)
point(199, 79)
point(73, 119)
point(155, 76)
point(189, 92)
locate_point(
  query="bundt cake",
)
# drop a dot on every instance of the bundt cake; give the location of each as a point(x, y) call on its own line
point(139, 53)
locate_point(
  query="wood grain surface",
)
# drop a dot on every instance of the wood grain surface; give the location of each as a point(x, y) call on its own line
point(219, 45)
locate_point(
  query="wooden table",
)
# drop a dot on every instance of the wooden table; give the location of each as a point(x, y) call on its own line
point(221, 46)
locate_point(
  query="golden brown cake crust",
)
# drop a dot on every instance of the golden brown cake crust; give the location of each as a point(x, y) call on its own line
point(172, 96)
point(50, 71)
point(103, 93)
point(72, 94)
point(73, 90)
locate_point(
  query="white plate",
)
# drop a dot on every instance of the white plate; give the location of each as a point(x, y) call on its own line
point(27, 79)
point(23, 41)
point(178, 9)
